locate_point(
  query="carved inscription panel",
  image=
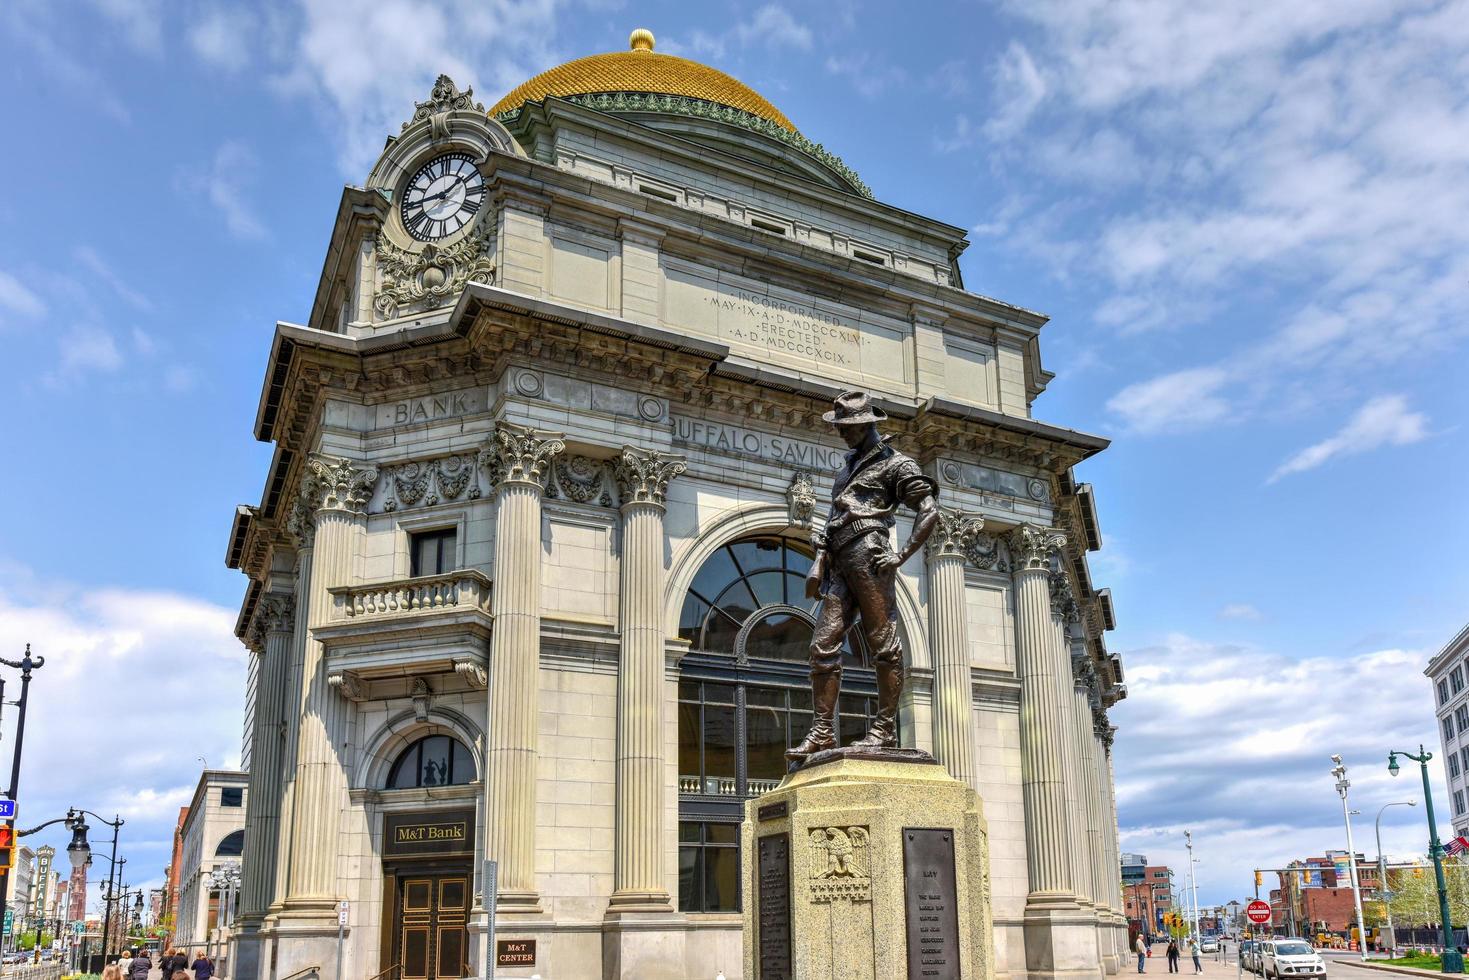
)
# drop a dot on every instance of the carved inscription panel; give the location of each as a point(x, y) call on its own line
point(932, 901)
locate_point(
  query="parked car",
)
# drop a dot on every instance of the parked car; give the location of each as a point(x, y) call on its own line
point(1209, 945)
point(1290, 958)
point(1246, 950)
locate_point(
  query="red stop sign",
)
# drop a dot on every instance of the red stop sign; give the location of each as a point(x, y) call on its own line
point(1258, 912)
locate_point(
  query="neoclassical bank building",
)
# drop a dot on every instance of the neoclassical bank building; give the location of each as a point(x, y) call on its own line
point(525, 577)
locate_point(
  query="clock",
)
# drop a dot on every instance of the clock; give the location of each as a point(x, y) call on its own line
point(442, 197)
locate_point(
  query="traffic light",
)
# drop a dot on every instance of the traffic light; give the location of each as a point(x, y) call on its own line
point(7, 847)
point(1259, 878)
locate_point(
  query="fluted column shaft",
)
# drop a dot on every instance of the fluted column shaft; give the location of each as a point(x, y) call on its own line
point(291, 698)
point(642, 479)
point(948, 625)
point(275, 617)
point(518, 461)
point(320, 772)
point(1088, 835)
point(1045, 696)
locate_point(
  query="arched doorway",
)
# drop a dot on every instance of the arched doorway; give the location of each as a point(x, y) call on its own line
point(744, 698)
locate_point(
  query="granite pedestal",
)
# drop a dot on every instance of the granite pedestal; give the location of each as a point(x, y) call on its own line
point(867, 869)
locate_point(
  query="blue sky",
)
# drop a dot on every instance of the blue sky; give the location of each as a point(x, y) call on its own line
point(1250, 226)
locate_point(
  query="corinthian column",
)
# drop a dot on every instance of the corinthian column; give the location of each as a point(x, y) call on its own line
point(273, 627)
point(1045, 708)
point(335, 493)
point(948, 627)
point(1088, 834)
point(517, 460)
point(642, 478)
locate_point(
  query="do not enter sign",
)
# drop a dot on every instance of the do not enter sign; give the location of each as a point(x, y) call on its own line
point(1258, 912)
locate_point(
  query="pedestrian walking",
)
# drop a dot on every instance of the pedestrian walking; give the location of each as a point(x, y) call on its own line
point(1142, 953)
point(140, 967)
point(203, 966)
point(1193, 950)
point(1173, 956)
point(174, 963)
point(125, 963)
point(113, 972)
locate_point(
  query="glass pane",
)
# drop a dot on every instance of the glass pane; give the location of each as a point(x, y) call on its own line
point(688, 879)
point(780, 636)
point(800, 698)
point(765, 744)
point(715, 575)
point(853, 716)
point(464, 771)
point(719, 745)
point(719, 693)
point(448, 545)
point(737, 602)
point(797, 561)
point(692, 617)
point(769, 587)
point(771, 697)
point(720, 630)
point(688, 690)
point(721, 879)
point(405, 770)
point(757, 554)
point(688, 832)
point(420, 557)
point(690, 739)
point(435, 762)
point(854, 650)
point(722, 833)
point(795, 587)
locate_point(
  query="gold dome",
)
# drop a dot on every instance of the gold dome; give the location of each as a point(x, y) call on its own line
point(640, 70)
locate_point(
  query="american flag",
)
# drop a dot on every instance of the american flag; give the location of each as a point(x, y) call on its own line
point(1456, 847)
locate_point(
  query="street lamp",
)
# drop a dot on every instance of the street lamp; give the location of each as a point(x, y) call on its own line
point(1382, 872)
point(1342, 785)
point(1453, 960)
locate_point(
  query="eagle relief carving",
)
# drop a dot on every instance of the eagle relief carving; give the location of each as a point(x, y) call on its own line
point(839, 864)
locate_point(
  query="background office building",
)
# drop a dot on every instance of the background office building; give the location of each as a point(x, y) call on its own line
point(1448, 672)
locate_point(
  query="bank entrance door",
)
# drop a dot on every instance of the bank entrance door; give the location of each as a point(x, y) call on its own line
point(433, 917)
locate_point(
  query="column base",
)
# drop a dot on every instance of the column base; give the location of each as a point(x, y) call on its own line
point(245, 948)
point(1060, 941)
point(302, 943)
point(643, 946)
point(518, 903)
point(653, 901)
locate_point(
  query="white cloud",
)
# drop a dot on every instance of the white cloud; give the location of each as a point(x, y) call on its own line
point(94, 263)
point(962, 136)
point(1382, 421)
point(141, 22)
point(222, 38)
point(368, 63)
point(1172, 402)
point(871, 77)
point(1241, 611)
point(136, 684)
point(1312, 158)
point(773, 26)
point(16, 298)
point(85, 350)
point(222, 186)
point(1233, 742)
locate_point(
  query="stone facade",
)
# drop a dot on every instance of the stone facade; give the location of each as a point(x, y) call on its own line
point(615, 370)
point(211, 839)
point(1448, 673)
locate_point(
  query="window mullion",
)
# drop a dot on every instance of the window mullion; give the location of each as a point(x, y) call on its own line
point(741, 766)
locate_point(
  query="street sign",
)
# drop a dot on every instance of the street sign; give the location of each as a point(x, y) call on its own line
point(1258, 912)
point(7, 809)
point(342, 909)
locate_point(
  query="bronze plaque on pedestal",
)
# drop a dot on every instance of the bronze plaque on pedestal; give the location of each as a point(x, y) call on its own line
point(932, 900)
point(774, 906)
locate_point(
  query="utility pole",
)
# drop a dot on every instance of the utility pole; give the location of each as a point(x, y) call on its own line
point(1342, 785)
point(1193, 886)
point(25, 665)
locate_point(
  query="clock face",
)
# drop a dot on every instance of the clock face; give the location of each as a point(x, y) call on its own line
point(442, 197)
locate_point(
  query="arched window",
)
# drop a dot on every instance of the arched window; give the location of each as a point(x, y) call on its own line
point(233, 845)
point(744, 698)
point(436, 760)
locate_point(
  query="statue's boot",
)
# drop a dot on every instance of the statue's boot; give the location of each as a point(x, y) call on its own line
point(884, 731)
point(824, 690)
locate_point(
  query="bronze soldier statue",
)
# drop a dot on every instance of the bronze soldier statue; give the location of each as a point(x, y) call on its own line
point(856, 569)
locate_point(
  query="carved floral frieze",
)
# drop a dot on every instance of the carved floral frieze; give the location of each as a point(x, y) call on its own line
point(424, 483)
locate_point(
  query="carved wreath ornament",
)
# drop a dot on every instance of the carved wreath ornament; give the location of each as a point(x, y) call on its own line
point(839, 864)
point(411, 279)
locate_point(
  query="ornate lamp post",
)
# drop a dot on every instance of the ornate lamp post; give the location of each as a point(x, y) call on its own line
point(25, 665)
point(1453, 960)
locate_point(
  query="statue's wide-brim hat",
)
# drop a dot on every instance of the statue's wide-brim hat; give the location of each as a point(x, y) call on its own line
point(854, 408)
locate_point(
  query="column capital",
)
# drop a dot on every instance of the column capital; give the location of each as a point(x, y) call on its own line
point(953, 535)
point(329, 483)
point(1032, 547)
point(520, 454)
point(1063, 598)
point(274, 613)
point(643, 475)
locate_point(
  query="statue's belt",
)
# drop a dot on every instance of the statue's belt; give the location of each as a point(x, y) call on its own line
point(848, 533)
